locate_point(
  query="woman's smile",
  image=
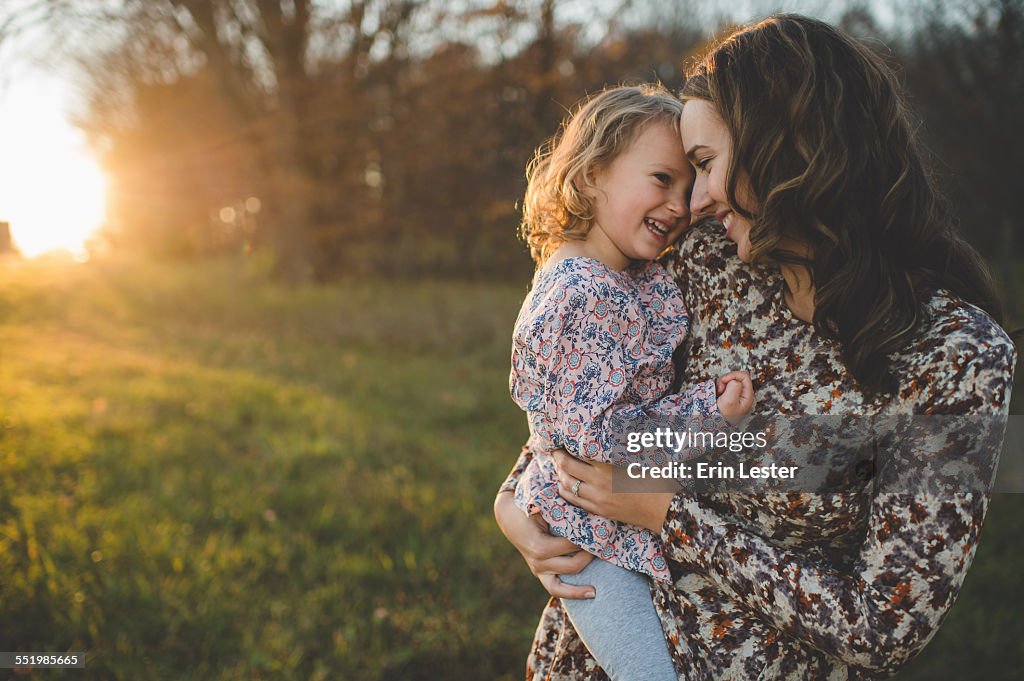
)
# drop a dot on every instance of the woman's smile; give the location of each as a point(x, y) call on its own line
point(725, 217)
point(709, 148)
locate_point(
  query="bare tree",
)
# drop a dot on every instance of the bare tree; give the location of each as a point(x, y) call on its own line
point(273, 65)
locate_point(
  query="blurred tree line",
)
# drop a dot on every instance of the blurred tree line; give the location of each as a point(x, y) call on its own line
point(392, 135)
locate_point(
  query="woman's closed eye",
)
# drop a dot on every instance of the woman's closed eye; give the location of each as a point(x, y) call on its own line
point(703, 165)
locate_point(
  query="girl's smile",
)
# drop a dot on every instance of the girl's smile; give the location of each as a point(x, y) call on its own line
point(640, 199)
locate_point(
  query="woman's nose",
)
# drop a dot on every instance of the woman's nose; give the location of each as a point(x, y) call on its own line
point(699, 199)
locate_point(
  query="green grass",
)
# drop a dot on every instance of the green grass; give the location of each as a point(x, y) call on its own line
point(205, 475)
point(983, 636)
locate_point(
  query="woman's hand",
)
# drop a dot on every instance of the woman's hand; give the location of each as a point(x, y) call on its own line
point(546, 555)
point(594, 493)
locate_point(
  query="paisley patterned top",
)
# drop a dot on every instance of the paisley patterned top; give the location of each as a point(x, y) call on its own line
point(797, 585)
point(591, 353)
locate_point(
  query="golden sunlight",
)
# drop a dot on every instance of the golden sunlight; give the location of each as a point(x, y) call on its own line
point(51, 189)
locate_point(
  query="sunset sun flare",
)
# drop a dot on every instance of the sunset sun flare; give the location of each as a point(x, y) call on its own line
point(52, 191)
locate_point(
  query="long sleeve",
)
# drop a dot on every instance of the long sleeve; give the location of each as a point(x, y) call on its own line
point(909, 568)
point(512, 479)
point(590, 365)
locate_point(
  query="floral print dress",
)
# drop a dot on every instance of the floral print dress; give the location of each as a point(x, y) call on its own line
point(592, 353)
point(793, 585)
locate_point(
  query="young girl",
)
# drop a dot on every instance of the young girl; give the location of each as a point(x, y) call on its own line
point(593, 345)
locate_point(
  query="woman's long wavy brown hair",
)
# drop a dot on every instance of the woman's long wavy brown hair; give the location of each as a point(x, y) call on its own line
point(824, 136)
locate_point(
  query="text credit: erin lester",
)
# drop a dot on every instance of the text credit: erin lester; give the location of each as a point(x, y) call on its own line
point(676, 442)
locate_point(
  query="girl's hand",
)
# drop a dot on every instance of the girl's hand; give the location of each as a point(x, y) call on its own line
point(594, 493)
point(546, 555)
point(735, 395)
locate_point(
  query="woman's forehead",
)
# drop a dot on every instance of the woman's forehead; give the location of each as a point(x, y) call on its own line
point(701, 126)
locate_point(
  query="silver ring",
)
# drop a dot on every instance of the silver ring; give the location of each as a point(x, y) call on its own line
point(576, 487)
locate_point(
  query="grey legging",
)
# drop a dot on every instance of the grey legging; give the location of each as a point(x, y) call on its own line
point(619, 625)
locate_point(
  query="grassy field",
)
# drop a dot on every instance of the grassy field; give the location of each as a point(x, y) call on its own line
point(204, 475)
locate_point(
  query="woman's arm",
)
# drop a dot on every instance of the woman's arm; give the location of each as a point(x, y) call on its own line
point(546, 555)
point(643, 509)
point(875, 616)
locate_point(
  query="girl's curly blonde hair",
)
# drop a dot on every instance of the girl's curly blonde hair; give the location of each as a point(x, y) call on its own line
point(556, 208)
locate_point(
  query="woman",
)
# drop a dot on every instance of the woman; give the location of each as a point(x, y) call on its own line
point(840, 285)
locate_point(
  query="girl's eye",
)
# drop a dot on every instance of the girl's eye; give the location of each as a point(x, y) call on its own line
point(663, 178)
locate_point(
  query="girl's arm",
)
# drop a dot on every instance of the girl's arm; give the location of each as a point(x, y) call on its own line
point(589, 341)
